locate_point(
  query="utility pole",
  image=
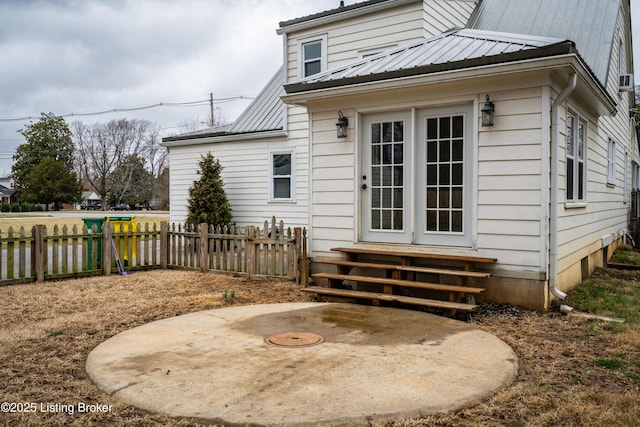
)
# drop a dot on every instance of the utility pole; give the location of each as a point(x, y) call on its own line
point(211, 105)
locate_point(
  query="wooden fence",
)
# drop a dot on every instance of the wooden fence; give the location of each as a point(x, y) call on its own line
point(266, 251)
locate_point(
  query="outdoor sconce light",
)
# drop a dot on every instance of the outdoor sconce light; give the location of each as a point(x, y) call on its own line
point(487, 113)
point(342, 124)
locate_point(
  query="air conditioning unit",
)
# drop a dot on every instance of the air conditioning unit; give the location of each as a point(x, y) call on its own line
point(626, 83)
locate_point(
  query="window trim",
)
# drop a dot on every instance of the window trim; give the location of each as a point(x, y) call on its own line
point(611, 162)
point(323, 54)
point(575, 200)
point(291, 176)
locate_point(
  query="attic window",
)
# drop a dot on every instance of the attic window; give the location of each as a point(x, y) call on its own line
point(312, 56)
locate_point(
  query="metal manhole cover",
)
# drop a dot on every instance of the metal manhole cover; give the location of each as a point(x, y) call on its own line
point(294, 339)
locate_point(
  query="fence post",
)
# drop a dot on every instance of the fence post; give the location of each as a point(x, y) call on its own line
point(39, 248)
point(300, 259)
point(204, 246)
point(164, 244)
point(251, 251)
point(106, 248)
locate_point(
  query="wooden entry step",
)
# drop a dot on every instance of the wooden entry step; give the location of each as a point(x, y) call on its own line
point(397, 266)
point(416, 255)
point(408, 268)
point(345, 293)
point(338, 278)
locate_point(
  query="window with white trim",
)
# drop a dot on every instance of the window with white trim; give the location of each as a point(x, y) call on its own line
point(576, 173)
point(282, 175)
point(626, 175)
point(635, 176)
point(611, 162)
point(313, 56)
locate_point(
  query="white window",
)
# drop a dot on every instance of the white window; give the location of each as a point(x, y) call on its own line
point(313, 56)
point(282, 175)
point(626, 175)
point(576, 173)
point(635, 176)
point(611, 162)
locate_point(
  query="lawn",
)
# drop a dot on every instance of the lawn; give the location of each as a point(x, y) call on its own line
point(573, 371)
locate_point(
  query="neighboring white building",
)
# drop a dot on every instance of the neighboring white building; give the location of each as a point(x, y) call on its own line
point(545, 189)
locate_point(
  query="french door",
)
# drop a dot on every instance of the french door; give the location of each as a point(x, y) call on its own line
point(416, 183)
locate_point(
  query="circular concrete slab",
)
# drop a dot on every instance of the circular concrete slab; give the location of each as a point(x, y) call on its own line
point(374, 362)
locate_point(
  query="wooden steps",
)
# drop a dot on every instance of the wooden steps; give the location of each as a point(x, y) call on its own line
point(399, 282)
point(345, 293)
point(415, 269)
point(396, 266)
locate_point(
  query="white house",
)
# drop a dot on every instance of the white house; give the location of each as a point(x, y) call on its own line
point(544, 188)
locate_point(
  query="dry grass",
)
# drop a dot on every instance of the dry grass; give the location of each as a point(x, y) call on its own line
point(567, 375)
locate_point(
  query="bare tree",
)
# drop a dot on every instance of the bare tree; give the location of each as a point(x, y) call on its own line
point(103, 148)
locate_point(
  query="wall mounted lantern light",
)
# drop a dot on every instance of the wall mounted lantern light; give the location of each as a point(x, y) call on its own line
point(342, 124)
point(487, 113)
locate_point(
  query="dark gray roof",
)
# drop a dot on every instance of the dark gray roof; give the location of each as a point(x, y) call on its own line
point(455, 49)
point(266, 113)
point(590, 24)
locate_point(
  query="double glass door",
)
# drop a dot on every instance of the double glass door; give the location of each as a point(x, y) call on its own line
point(416, 178)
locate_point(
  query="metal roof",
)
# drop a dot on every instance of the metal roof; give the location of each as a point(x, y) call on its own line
point(590, 24)
point(455, 49)
point(264, 114)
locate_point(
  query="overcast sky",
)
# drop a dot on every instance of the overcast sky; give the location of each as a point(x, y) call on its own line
point(82, 56)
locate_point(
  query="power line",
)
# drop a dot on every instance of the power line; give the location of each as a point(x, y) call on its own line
point(145, 107)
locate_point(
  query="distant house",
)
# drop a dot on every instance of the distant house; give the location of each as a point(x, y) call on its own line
point(6, 194)
point(7, 189)
point(544, 187)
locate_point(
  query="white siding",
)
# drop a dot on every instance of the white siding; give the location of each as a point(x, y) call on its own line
point(606, 212)
point(442, 15)
point(510, 226)
point(246, 180)
point(346, 38)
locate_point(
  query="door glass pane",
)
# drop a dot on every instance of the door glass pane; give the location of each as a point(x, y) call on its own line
point(375, 197)
point(444, 151)
point(445, 127)
point(456, 221)
point(432, 151)
point(375, 133)
point(397, 220)
point(386, 220)
point(457, 127)
point(387, 132)
point(398, 176)
point(387, 154)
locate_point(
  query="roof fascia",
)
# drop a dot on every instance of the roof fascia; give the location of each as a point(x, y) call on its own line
point(212, 139)
point(607, 104)
point(338, 14)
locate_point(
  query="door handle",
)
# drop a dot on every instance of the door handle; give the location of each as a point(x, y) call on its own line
point(364, 186)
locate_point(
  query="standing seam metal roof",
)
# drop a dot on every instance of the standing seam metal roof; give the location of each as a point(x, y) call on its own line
point(453, 47)
point(265, 113)
point(590, 24)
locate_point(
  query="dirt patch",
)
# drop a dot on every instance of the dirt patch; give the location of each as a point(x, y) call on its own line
point(573, 371)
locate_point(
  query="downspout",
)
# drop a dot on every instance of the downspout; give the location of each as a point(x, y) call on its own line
point(553, 210)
